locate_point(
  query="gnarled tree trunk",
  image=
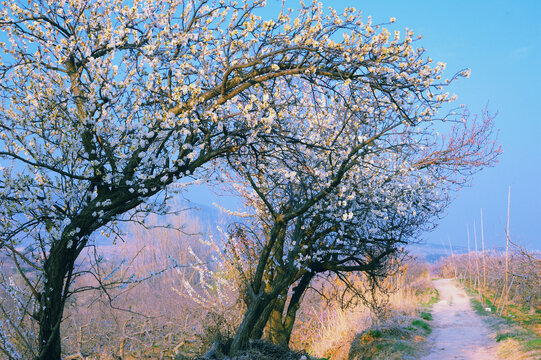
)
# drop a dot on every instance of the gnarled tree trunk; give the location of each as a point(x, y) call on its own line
point(281, 325)
point(244, 332)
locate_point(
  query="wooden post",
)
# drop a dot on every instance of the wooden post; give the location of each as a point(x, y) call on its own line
point(483, 245)
point(478, 277)
point(452, 255)
point(469, 253)
point(446, 250)
point(507, 251)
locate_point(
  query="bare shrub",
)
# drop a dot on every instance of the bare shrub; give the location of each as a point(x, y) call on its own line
point(165, 277)
point(18, 334)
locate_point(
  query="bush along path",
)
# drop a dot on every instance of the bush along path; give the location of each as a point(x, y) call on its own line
point(396, 340)
point(458, 332)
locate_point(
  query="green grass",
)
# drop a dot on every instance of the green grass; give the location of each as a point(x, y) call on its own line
point(425, 315)
point(420, 324)
point(478, 307)
point(402, 347)
point(527, 340)
point(388, 344)
point(515, 313)
point(503, 336)
point(399, 342)
point(534, 344)
point(375, 333)
point(429, 296)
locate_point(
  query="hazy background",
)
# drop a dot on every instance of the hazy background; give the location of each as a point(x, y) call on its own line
point(500, 42)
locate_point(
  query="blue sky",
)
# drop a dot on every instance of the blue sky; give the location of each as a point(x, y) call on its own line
point(500, 42)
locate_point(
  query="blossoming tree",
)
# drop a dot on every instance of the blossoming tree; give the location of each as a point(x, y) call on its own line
point(364, 181)
point(106, 103)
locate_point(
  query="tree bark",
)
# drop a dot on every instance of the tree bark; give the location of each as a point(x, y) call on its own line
point(58, 269)
point(244, 332)
point(49, 325)
point(277, 330)
point(281, 325)
point(263, 319)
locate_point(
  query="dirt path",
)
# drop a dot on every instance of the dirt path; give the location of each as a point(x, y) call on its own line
point(458, 332)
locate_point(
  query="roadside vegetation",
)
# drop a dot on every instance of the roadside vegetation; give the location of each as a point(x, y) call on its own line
point(395, 342)
point(191, 305)
point(356, 333)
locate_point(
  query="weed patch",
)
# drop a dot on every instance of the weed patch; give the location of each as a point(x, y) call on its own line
point(501, 337)
point(478, 307)
point(428, 296)
point(392, 344)
point(534, 344)
point(420, 324)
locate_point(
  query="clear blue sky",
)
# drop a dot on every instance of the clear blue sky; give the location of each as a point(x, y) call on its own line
point(500, 42)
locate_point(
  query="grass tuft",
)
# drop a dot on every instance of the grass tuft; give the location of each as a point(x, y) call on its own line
point(428, 296)
point(375, 333)
point(389, 344)
point(534, 344)
point(478, 307)
point(503, 336)
point(420, 324)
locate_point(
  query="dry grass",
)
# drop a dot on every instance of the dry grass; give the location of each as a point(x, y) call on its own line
point(507, 349)
point(338, 328)
point(333, 332)
point(155, 318)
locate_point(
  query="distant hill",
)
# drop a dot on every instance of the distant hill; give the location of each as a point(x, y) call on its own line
point(208, 219)
point(432, 253)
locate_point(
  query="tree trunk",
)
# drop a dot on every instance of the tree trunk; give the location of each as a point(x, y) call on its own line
point(244, 332)
point(256, 315)
point(49, 326)
point(281, 325)
point(259, 310)
point(263, 319)
point(278, 333)
point(57, 268)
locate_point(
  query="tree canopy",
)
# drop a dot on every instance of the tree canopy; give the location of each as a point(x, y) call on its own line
point(104, 104)
point(361, 185)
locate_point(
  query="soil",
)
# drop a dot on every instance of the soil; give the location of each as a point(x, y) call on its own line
point(458, 332)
